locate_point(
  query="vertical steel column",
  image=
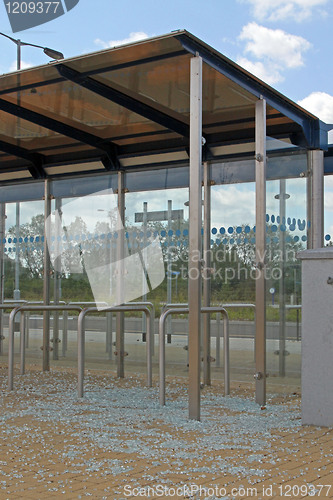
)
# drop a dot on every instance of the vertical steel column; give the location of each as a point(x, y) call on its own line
point(108, 320)
point(195, 222)
point(282, 197)
point(218, 338)
point(57, 288)
point(169, 270)
point(17, 293)
point(309, 204)
point(206, 276)
point(316, 168)
point(46, 285)
point(120, 320)
point(260, 172)
point(144, 294)
point(2, 267)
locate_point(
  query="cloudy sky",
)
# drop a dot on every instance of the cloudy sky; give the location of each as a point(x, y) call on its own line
point(287, 43)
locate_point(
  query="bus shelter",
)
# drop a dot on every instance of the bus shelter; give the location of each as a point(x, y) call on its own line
point(164, 113)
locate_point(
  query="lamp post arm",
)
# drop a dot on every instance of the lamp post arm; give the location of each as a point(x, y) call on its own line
point(54, 54)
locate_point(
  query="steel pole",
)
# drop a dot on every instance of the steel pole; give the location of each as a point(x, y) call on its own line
point(17, 293)
point(46, 282)
point(282, 196)
point(260, 174)
point(206, 275)
point(144, 291)
point(169, 276)
point(195, 224)
point(2, 267)
point(120, 320)
point(316, 168)
point(57, 287)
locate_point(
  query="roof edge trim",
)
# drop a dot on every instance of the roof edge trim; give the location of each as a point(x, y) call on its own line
point(312, 129)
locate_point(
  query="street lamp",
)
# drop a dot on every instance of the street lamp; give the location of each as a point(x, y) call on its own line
point(54, 54)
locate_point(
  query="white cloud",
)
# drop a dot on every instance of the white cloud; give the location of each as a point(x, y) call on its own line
point(269, 73)
point(276, 45)
point(24, 65)
point(133, 37)
point(321, 105)
point(277, 10)
point(275, 51)
point(226, 211)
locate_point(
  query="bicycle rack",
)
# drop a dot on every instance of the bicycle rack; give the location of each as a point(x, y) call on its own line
point(22, 336)
point(55, 324)
point(104, 305)
point(185, 310)
point(108, 337)
point(81, 339)
point(229, 306)
point(152, 329)
point(7, 305)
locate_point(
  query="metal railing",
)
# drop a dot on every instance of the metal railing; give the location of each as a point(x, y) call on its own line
point(185, 310)
point(22, 335)
point(81, 339)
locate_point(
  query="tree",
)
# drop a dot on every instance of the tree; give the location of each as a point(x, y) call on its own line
point(31, 245)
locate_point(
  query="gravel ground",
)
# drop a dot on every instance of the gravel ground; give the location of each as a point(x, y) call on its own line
point(118, 442)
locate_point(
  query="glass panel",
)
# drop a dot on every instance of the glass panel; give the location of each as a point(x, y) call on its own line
point(233, 247)
point(164, 214)
point(80, 108)
point(27, 135)
point(23, 266)
point(286, 236)
point(168, 84)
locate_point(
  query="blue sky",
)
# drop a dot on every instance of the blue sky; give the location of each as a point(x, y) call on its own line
point(285, 42)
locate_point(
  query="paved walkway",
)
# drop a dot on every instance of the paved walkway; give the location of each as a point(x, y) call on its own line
point(117, 442)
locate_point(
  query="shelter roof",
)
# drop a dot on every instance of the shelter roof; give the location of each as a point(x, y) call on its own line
point(129, 106)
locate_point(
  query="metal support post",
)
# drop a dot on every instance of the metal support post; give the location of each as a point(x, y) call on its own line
point(316, 169)
point(206, 275)
point(64, 332)
point(144, 291)
point(46, 285)
point(218, 339)
point(2, 268)
point(27, 329)
point(260, 173)
point(169, 270)
point(120, 319)
point(282, 197)
point(195, 223)
point(109, 334)
point(17, 293)
point(57, 288)
point(22, 343)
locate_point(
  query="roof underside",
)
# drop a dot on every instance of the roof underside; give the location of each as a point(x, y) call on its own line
point(129, 106)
